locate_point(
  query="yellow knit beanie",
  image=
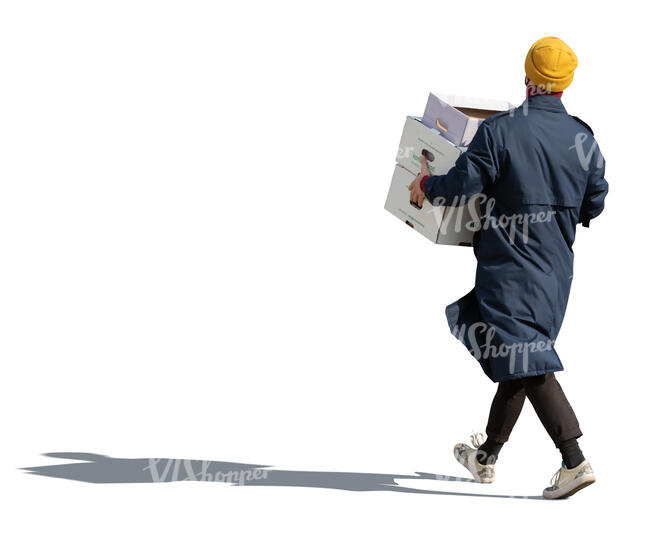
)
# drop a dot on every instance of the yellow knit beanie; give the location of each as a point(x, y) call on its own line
point(550, 63)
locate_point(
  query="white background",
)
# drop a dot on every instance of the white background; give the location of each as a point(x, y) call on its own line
point(196, 263)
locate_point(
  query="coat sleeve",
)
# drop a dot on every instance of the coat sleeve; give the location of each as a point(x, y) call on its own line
point(475, 169)
point(593, 202)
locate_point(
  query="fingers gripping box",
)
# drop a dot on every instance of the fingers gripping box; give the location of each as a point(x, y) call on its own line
point(440, 224)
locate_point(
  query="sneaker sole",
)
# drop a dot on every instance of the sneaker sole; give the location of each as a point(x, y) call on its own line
point(584, 482)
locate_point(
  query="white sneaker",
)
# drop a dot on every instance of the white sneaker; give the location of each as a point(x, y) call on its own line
point(566, 482)
point(482, 473)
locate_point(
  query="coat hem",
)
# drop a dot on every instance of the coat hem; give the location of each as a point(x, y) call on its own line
point(524, 374)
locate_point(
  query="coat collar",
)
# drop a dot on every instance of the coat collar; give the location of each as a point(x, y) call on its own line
point(549, 103)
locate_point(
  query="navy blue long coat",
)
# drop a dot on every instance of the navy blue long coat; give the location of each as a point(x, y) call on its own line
point(540, 173)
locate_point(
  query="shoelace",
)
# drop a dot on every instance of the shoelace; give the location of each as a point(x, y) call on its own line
point(556, 477)
point(477, 439)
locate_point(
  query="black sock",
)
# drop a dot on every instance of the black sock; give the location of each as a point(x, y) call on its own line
point(571, 454)
point(488, 453)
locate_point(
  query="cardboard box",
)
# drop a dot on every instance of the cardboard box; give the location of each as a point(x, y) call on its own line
point(457, 118)
point(442, 225)
point(418, 138)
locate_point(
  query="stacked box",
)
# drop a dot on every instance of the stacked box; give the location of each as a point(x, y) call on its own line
point(440, 224)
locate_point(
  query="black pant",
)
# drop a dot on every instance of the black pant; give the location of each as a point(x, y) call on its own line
point(547, 399)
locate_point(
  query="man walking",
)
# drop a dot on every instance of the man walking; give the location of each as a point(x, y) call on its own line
point(535, 159)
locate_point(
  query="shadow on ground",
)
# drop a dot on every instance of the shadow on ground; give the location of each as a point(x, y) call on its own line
point(96, 468)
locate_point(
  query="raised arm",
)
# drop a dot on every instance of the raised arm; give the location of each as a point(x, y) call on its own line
point(473, 171)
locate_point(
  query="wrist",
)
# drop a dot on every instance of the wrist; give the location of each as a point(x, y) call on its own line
point(422, 181)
